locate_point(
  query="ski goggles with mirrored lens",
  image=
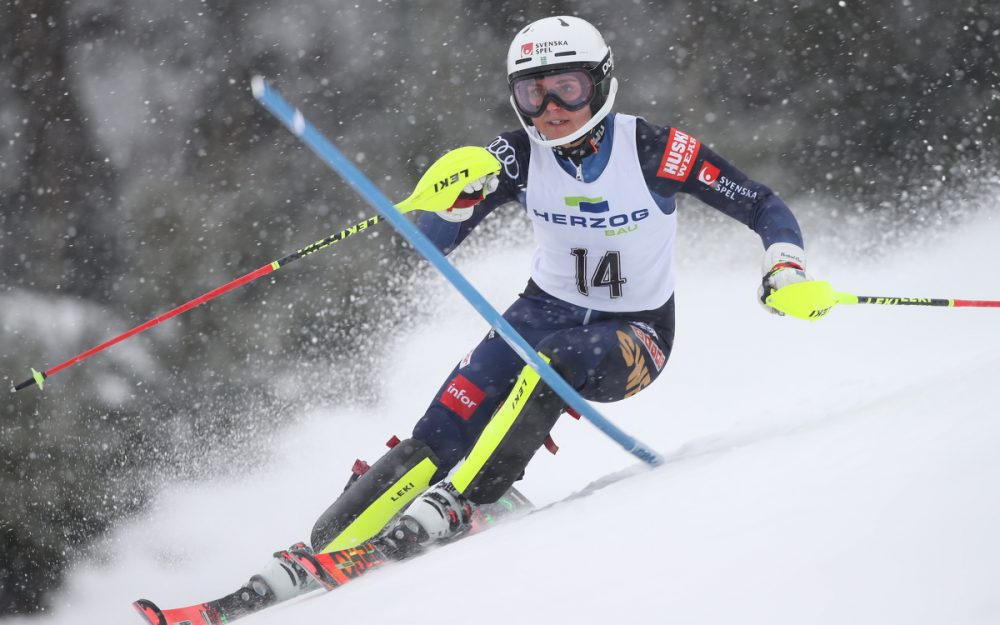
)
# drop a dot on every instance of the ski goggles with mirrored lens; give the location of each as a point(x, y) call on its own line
point(571, 89)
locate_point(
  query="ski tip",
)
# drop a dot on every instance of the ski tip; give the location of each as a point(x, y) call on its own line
point(257, 86)
point(148, 610)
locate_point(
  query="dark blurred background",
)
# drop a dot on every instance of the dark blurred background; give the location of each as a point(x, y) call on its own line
point(137, 172)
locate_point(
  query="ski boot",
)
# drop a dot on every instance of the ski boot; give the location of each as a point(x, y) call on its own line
point(282, 577)
point(441, 514)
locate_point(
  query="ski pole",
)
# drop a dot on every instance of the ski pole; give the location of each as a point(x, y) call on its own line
point(437, 190)
point(814, 299)
point(847, 298)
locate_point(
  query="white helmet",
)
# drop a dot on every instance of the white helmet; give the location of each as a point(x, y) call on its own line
point(555, 45)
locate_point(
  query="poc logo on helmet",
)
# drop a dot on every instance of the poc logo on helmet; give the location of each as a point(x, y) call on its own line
point(607, 65)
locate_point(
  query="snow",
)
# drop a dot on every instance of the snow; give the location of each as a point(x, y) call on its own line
point(838, 472)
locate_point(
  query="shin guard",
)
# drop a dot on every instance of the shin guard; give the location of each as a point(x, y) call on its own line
point(369, 504)
point(509, 440)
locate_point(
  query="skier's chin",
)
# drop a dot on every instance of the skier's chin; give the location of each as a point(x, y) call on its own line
point(559, 128)
point(558, 131)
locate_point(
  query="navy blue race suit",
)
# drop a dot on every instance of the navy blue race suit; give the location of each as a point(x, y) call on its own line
point(605, 356)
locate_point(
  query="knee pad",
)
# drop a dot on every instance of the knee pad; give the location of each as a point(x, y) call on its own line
point(361, 512)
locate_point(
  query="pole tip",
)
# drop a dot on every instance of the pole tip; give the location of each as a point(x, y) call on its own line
point(257, 86)
point(37, 377)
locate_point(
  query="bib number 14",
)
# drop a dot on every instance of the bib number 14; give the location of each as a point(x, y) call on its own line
point(607, 274)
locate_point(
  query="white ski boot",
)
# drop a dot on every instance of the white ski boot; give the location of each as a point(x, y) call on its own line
point(282, 579)
point(440, 514)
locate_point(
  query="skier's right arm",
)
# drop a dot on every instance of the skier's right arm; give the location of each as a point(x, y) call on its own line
point(448, 231)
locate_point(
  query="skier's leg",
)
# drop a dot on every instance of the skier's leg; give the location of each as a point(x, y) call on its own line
point(475, 388)
point(511, 438)
point(369, 503)
point(361, 512)
point(461, 409)
point(606, 361)
point(469, 396)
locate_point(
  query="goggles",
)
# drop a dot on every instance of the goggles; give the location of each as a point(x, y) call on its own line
point(571, 89)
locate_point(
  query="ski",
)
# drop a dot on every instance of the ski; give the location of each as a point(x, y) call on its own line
point(229, 608)
point(331, 570)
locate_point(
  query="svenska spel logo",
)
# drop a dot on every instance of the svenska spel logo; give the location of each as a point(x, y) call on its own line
point(709, 174)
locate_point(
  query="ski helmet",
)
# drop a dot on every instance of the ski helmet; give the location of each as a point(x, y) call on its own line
point(557, 45)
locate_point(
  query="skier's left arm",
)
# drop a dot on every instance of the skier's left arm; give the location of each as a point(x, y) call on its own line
point(674, 161)
point(718, 183)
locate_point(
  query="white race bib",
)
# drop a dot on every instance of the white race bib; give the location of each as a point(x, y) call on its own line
point(604, 245)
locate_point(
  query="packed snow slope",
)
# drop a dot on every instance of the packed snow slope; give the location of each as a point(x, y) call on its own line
point(846, 471)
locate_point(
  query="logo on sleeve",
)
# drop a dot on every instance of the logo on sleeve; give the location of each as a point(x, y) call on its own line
point(467, 360)
point(678, 157)
point(507, 156)
point(462, 397)
point(709, 174)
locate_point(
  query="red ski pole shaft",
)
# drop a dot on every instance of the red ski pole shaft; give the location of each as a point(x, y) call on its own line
point(38, 377)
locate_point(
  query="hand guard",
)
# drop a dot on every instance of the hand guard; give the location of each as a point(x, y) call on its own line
point(784, 264)
point(472, 194)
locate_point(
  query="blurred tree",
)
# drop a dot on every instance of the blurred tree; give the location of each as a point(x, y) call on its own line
point(65, 193)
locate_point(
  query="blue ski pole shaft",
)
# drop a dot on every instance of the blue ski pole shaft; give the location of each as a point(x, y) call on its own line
point(293, 119)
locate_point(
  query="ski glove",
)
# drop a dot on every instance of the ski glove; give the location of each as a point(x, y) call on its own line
point(784, 264)
point(472, 194)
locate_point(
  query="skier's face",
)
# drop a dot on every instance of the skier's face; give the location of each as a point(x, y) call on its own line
point(557, 103)
point(555, 122)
